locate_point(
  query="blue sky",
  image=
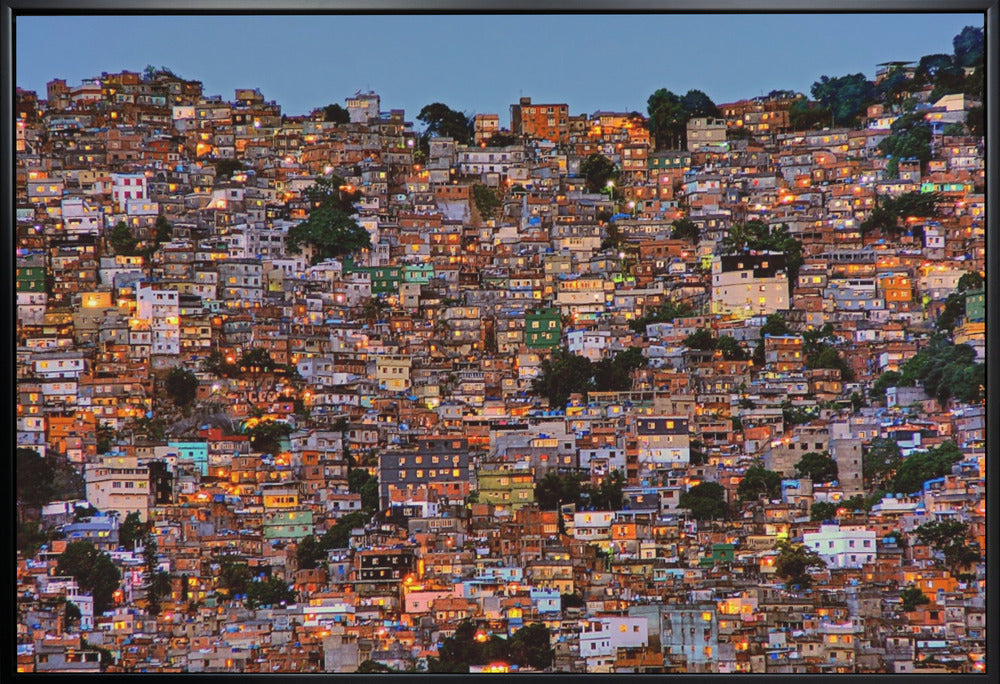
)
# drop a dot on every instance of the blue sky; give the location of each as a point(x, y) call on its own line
point(481, 63)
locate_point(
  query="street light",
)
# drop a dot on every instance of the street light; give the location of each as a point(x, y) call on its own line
point(611, 191)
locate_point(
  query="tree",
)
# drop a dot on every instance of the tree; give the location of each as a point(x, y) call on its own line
point(131, 531)
point(667, 119)
point(34, 478)
point(665, 313)
point(845, 96)
point(266, 436)
point(339, 536)
point(819, 468)
point(803, 114)
point(757, 235)
point(758, 481)
point(698, 104)
point(502, 140)
point(163, 230)
point(705, 501)
point(615, 374)
point(334, 113)
point(563, 374)
point(880, 459)
point(919, 467)
point(774, 325)
point(598, 170)
point(822, 510)
point(793, 563)
point(731, 349)
point(442, 121)
point(883, 382)
point(308, 553)
point(969, 46)
point(272, 591)
point(487, 200)
point(374, 667)
point(948, 537)
point(330, 230)
point(93, 570)
point(700, 339)
point(684, 229)
point(225, 168)
point(122, 241)
point(554, 489)
point(608, 495)
point(530, 647)
point(912, 597)
point(181, 386)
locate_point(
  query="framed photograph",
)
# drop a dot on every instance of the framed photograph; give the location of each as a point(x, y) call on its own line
point(485, 338)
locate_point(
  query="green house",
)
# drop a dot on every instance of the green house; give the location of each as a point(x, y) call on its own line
point(418, 273)
point(292, 523)
point(31, 279)
point(543, 328)
point(975, 305)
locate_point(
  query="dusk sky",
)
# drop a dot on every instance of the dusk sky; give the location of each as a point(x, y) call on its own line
point(481, 63)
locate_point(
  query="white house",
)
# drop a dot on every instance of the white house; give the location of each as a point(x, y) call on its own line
point(848, 546)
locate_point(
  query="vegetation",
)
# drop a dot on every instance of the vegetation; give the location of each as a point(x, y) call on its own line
point(819, 468)
point(757, 235)
point(822, 510)
point(880, 459)
point(528, 647)
point(123, 241)
point(566, 373)
point(949, 538)
point(669, 114)
point(706, 501)
point(598, 170)
point(93, 571)
point(846, 97)
point(444, 122)
point(34, 478)
point(266, 436)
point(921, 466)
point(793, 563)
point(487, 200)
point(556, 489)
point(330, 230)
point(225, 168)
point(665, 313)
point(334, 113)
point(912, 597)
point(684, 229)
point(758, 482)
point(181, 386)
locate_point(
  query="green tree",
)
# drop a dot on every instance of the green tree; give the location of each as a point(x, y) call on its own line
point(339, 536)
point(700, 339)
point(272, 591)
point(846, 96)
point(93, 570)
point(705, 501)
point(330, 229)
point(880, 459)
point(234, 574)
point(34, 477)
point(949, 537)
point(502, 140)
point(667, 120)
point(793, 563)
point(487, 200)
point(883, 382)
point(308, 553)
point(563, 374)
point(819, 468)
point(822, 510)
point(665, 313)
point(919, 467)
point(442, 121)
point(775, 325)
point(731, 349)
point(163, 230)
point(684, 229)
point(598, 170)
point(334, 113)
point(697, 104)
point(615, 374)
point(122, 241)
point(758, 481)
point(131, 531)
point(803, 114)
point(181, 386)
point(266, 436)
point(555, 489)
point(608, 495)
point(969, 46)
point(105, 437)
point(530, 647)
point(225, 168)
point(912, 597)
point(374, 667)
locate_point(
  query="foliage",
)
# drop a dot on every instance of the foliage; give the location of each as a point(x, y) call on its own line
point(338, 536)
point(665, 313)
point(34, 478)
point(757, 235)
point(234, 574)
point(442, 121)
point(949, 538)
point(272, 591)
point(846, 96)
point(880, 459)
point(910, 139)
point(334, 113)
point(614, 374)
point(700, 339)
point(131, 531)
point(360, 481)
point(528, 647)
point(225, 168)
point(554, 489)
point(608, 495)
point(163, 231)
point(758, 481)
point(330, 229)
point(684, 229)
point(502, 140)
point(308, 553)
point(793, 563)
point(122, 241)
point(705, 501)
point(374, 667)
point(803, 114)
point(669, 114)
point(563, 374)
point(912, 597)
point(487, 200)
point(817, 467)
point(181, 386)
point(93, 570)
point(883, 382)
point(731, 349)
point(946, 370)
point(822, 510)
point(969, 46)
point(774, 325)
point(598, 170)
point(266, 436)
point(919, 467)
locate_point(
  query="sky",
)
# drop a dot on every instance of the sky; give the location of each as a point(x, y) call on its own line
point(481, 64)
